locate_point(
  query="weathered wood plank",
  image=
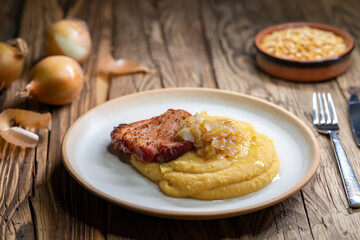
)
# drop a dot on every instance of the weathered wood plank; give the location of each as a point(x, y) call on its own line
point(128, 42)
point(182, 33)
point(16, 171)
point(175, 39)
point(10, 15)
point(20, 225)
point(125, 224)
point(62, 208)
point(230, 28)
point(333, 218)
point(18, 165)
point(230, 39)
point(190, 43)
point(283, 93)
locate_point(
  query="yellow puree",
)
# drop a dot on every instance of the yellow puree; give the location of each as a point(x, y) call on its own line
point(191, 176)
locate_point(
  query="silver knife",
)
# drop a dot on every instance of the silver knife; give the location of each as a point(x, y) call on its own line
point(354, 111)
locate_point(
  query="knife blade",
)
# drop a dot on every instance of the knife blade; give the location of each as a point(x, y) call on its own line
point(354, 111)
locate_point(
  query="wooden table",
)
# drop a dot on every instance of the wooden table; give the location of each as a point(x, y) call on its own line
point(189, 43)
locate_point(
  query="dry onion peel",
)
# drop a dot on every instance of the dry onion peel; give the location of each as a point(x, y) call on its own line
point(121, 66)
point(12, 56)
point(19, 136)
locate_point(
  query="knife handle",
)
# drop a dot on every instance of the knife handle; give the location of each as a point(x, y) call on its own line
point(351, 184)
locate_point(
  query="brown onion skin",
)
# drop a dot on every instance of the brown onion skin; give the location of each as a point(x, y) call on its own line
point(72, 29)
point(11, 71)
point(56, 80)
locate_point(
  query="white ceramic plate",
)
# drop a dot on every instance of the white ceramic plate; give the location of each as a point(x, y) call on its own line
point(88, 159)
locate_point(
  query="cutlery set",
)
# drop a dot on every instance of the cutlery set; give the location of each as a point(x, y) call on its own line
point(326, 122)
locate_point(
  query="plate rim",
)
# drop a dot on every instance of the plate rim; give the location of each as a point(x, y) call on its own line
point(195, 215)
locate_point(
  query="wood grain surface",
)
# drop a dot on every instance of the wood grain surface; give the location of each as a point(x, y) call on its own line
point(192, 43)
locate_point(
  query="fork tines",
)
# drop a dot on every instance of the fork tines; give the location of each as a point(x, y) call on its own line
point(321, 103)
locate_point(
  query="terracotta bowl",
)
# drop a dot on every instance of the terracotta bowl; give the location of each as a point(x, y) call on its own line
point(303, 71)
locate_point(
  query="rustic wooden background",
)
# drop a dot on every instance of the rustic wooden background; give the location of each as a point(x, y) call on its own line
point(194, 43)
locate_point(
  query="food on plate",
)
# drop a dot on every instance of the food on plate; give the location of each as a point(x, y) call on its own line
point(212, 139)
point(303, 44)
point(230, 157)
point(152, 139)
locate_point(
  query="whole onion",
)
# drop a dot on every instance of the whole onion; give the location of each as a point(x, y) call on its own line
point(56, 80)
point(11, 60)
point(69, 37)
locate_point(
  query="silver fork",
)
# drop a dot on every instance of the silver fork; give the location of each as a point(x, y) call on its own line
point(327, 123)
